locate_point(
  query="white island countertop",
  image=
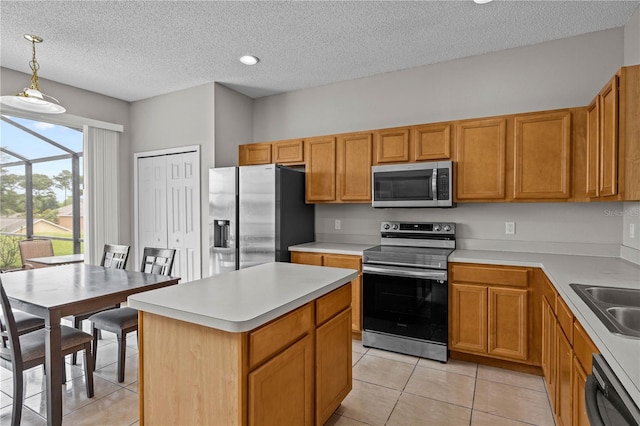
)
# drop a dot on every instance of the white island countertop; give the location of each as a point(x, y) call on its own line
point(334, 248)
point(243, 300)
point(621, 353)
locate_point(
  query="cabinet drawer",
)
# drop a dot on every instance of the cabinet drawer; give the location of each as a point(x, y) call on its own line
point(550, 293)
point(583, 347)
point(272, 337)
point(329, 305)
point(565, 318)
point(288, 152)
point(306, 258)
point(343, 261)
point(489, 274)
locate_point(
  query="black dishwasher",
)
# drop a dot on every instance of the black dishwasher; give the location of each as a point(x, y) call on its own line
point(608, 404)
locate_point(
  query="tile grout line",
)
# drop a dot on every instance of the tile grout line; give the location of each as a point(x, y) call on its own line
point(402, 391)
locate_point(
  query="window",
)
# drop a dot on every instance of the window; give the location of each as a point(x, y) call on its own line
point(40, 186)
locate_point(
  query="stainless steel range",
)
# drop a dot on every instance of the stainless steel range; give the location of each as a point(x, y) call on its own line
point(405, 289)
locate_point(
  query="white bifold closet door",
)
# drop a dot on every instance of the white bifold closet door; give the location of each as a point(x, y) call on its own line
point(169, 209)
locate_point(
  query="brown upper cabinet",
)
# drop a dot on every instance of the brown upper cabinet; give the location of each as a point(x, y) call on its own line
point(339, 168)
point(320, 163)
point(576, 154)
point(392, 146)
point(613, 139)
point(354, 167)
point(480, 156)
point(431, 142)
point(542, 152)
point(602, 142)
point(288, 152)
point(254, 154)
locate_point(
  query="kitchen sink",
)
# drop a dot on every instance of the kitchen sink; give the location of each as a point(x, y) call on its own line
point(615, 296)
point(628, 317)
point(617, 308)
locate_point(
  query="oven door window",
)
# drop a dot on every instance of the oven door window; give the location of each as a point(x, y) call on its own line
point(404, 306)
point(403, 185)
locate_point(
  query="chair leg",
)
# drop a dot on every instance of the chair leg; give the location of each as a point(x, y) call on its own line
point(18, 397)
point(94, 353)
point(88, 369)
point(77, 324)
point(64, 371)
point(122, 347)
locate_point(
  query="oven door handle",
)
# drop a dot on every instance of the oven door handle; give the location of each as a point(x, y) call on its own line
point(404, 272)
point(591, 401)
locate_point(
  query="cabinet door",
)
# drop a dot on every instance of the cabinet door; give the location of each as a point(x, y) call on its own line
point(543, 156)
point(281, 391)
point(480, 157)
point(579, 381)
point(609, 138)
point(564, 361)
point(549, 350)
point(469, 318)
point(350, 262)
point(508, 323)
point(432, 142)
point(392, 145)
point(255, 153)
point(333, 365)
point(320, 161)
point(287, 152)
point(593, 148)
point(354, 167)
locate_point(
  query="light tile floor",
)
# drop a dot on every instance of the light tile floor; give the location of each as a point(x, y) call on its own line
point(388, 389)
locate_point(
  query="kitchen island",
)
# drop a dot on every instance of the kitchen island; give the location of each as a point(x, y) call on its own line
point(269, 344)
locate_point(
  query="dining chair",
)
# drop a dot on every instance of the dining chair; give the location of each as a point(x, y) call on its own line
point(25, 323)
point(31, 248)
point(122, 321)
point(27, 350)
point(113, 256)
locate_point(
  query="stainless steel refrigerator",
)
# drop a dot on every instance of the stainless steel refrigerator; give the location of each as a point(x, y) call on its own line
point(255, 214)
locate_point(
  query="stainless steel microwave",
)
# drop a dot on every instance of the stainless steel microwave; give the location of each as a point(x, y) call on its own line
point(412, 185)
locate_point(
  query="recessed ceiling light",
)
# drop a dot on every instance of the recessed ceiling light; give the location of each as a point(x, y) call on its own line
point(482, 1)
point(249, 60)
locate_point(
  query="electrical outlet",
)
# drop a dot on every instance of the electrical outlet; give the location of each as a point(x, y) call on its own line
point(510, 228)
point(337, 224)
point(632, 230)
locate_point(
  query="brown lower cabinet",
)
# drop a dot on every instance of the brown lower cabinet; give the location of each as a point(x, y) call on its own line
point(566, 359)
point(339, 261)
point(489, 311)
point(294, 370)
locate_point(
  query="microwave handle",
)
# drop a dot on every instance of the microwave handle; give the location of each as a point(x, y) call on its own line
point(434, 183)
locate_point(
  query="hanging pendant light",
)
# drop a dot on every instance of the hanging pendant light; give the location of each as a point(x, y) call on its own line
point(32, 99)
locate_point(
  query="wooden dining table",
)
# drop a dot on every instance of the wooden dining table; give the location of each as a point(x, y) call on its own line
point(72, 289)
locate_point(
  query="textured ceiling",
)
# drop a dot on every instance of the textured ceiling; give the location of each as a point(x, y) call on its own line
point(133, 50)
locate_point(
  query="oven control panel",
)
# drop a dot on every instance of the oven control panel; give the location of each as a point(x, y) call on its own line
point(418, 228)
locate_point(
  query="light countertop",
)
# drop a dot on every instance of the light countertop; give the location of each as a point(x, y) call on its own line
point(621, 353)
point(334, 248)
point(243, 300)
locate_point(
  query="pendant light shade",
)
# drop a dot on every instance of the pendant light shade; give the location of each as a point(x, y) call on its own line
point(31, 98)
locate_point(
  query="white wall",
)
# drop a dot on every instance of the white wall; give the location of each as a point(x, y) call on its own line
point(632, 39)
point(91, 105)
point(174, 120)
point(557, 74)
point(233, 118)
point(631, 245)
